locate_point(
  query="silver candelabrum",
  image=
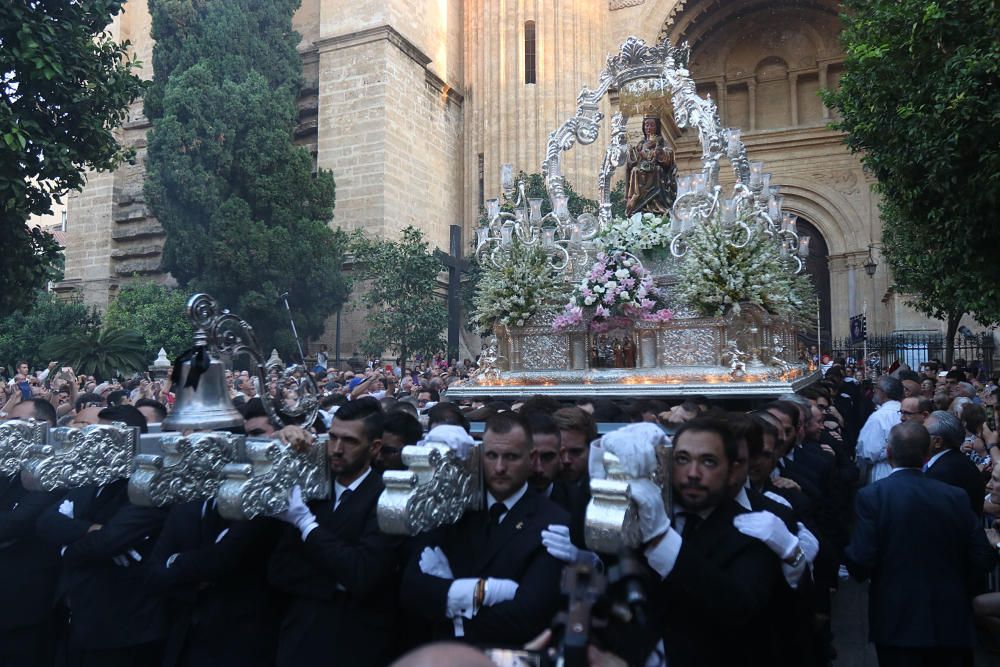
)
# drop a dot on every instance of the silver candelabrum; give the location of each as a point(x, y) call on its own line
point(754, 199)
point(557, 232)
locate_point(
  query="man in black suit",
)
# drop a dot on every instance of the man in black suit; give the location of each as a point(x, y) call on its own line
point(105, 543)
point(29, 567)
point(923, 549)
point(947, 463)
point(339, 570)
point(717, 583)
point(488, 578)
point(214, 574)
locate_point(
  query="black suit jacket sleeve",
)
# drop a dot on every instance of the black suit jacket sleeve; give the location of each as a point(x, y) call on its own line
point(981, 555)
point(206, 563)
point(737, 593)
point(129, 525)
point(423, 594)
point(361, 567)
point(20, 522)
point(56, 528)
point(534, 605)
point(862, 552)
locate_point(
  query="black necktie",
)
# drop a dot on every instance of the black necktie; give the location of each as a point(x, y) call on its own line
point(691, 523)
point(344, 495)
point(497, 511)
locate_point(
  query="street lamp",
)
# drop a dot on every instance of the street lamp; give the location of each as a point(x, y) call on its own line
point(870, 265)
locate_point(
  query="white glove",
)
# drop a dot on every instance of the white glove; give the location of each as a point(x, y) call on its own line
point(808, 543)
point(595, 461)
point(652, 516)
point(634, 446)
point(556, 541)
point(435, 563)
point(66, 508)
point(453, 436)
point(499, 590)
point(770, 530)
point(298, 513)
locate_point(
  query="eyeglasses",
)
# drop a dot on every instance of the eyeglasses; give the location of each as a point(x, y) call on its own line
point(906, 413)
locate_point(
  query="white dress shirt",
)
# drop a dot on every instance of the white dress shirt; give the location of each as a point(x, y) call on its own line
point(509, 503)
point(874, 437)
point(933, 459)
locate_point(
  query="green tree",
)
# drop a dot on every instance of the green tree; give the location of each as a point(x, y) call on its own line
point(245, 216)
point(157, 312)
point(920, 101)
point(105, 353)
point(404, 313)
point(65, 85)
point(23, 332)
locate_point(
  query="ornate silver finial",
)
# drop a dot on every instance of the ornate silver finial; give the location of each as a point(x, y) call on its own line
point(190, 468)
point(438, 487)
point(260, 487)
point(274, 360)
point(161, 360)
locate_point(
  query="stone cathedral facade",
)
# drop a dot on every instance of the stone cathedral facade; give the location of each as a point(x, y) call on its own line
point(415, 104)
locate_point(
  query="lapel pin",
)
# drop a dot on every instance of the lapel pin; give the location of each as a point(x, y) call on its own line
point(519, 526)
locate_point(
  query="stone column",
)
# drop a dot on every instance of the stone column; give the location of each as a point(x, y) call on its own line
point(752, 103)
point(822, 86)
point(793, 97)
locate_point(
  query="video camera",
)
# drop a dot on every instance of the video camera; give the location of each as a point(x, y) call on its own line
point(608, 611)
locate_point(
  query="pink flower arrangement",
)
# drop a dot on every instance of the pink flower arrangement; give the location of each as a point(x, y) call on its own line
point(615, 291)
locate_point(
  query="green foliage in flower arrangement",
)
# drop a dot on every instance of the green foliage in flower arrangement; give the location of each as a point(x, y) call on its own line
point(716, 277)
point(511, 295)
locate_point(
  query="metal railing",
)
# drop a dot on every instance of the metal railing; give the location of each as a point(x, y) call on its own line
point(916, 347)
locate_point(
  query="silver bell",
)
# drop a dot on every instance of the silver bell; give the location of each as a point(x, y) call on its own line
point(207, 408)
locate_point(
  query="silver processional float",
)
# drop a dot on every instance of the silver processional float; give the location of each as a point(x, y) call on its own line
point(197, 456)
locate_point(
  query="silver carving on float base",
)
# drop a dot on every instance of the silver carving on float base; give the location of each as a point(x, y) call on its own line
point(16, 435)
point(437, 488)
point(612, 519)
point(190, 468)
point(261, 485)
point(94, 455)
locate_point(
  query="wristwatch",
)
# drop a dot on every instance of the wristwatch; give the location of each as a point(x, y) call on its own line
point(796, 558)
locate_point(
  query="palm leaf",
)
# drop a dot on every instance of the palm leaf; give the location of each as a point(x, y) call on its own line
point(103, 353)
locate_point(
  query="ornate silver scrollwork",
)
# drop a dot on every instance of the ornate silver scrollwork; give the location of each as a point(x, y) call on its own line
point(261, 486)
point(16, 436)
point(437, 489)
point(190, 468)
point(94, 455)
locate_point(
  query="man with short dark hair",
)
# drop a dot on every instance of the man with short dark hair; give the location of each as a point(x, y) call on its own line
point(338, 569)
point(713, 575)
point(576, 431)
point(921, 546)
point(488, 578)
point(915, 409)
point(545, 457)
point(154, 411)
point(399, 430)
point(947, 463)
